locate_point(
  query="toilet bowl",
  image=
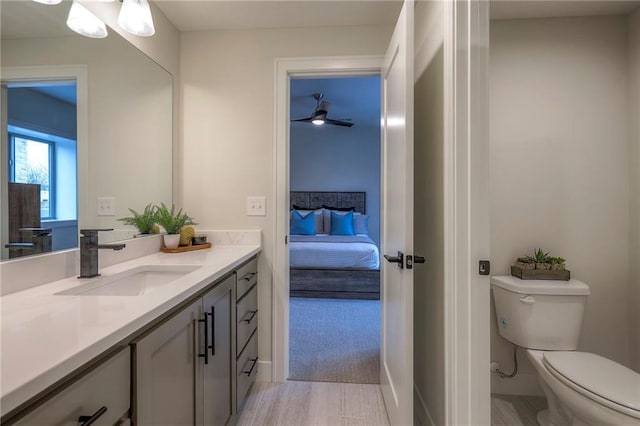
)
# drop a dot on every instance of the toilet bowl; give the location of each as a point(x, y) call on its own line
point(586, 389)
point(545, 318)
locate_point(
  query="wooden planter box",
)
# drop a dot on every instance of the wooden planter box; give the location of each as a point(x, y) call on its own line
point(540, 274)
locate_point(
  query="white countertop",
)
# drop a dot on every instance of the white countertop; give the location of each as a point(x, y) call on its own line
point(47, 336)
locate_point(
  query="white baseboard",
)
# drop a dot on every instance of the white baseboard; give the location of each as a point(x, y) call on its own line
point(264, 371)
point(421, 412)
point(521, 384)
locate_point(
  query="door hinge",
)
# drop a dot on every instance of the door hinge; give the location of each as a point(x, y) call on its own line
point(484, 267)
point(286, 240)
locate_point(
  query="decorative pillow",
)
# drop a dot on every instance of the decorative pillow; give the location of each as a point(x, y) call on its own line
point(361, 224)
point(342, 224)
point(302, 225)
point(339, 209)
point(327, 218)
point(319, 219)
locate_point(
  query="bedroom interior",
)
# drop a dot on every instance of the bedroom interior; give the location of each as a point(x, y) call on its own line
point(334, 256)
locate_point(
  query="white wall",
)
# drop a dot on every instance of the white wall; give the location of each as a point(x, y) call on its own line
point(560, 175)
point(428, 341)
point(634, 166)
point(227, 124)
point(332, 158)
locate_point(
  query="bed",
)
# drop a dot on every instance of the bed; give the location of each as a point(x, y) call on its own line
point(333, 266)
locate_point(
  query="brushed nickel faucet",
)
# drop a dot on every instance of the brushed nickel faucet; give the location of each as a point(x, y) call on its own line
point(89, 251)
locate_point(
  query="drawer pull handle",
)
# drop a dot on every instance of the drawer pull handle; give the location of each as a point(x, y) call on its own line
point(213, 330)
point(206, 339)
point(87, 420)
point(248, 276)
point(253, 315)
point(254, 361)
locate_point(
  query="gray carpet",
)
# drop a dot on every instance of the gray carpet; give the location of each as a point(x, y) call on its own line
point(333, 340)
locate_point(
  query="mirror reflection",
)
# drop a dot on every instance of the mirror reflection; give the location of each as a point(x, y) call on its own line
point(76, 151)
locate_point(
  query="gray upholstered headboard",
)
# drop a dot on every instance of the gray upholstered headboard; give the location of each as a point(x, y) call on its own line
point(316, 199)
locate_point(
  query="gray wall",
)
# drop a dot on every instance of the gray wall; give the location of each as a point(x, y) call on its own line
point(333, 158)
point(560, 170)
point(428, 342)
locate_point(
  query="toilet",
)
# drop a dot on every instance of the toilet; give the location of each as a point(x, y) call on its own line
point(544, 317)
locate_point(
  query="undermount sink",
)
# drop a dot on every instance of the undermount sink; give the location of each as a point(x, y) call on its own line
point(133, 282)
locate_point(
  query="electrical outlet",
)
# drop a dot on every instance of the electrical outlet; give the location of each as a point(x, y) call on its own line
point(256, 206)
point(106, 206)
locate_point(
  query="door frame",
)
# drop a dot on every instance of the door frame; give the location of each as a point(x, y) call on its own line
point(285, 68)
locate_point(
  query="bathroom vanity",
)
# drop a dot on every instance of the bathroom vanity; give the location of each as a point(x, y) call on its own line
point(164, 338)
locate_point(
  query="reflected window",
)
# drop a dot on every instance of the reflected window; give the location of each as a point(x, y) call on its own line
point(32, 161)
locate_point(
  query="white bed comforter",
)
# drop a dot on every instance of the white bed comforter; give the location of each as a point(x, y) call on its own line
point(333, 252)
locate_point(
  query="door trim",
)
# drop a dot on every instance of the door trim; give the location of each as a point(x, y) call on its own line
point(466, 215)
point(285, 68)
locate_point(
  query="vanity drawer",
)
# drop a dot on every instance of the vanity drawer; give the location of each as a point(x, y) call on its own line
point(247, 277)
point(105, 386)
point(247, 368)
point(246, 318)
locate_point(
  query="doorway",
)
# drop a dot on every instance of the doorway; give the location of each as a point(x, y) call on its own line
point(334, 246)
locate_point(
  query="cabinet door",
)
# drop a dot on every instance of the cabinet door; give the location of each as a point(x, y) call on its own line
point(165, 371)
point(219, 306)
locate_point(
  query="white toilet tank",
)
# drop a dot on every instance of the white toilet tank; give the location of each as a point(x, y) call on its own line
point(540, 314)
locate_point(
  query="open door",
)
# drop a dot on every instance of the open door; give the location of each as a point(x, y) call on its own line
point(396, 375)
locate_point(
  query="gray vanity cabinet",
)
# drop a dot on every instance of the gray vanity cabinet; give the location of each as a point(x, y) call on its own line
point(183, 367)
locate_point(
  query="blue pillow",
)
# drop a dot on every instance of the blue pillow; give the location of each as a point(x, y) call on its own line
point(361, 224)
point(342, 224)
point(302, 225)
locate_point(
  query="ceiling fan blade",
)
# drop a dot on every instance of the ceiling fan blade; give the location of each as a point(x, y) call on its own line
point(304, 120)
point(338, 122)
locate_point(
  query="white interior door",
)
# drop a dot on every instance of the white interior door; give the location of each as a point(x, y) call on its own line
point(396, 375)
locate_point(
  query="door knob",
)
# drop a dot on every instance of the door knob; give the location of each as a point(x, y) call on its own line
point(413, 259)
point(399, 259)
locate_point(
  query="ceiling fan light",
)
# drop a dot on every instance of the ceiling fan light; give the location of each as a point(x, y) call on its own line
point(318, 121)
point(135, 17)
point(49, 2)
point(85, 23)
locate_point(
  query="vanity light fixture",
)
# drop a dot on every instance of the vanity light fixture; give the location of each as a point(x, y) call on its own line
point(85, 23)
point(49, 2)
point(135, 17)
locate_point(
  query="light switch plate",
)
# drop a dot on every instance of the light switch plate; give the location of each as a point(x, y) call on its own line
point(106, 206)
point(256, 206)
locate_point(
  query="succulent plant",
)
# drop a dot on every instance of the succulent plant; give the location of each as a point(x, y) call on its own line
point(143, 221)
point(540, 256)
point(557, 260)
point(525, 259)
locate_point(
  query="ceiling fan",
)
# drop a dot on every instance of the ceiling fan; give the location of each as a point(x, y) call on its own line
point(319, 116)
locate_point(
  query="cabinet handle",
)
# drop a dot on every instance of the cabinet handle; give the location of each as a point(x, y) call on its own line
point(87, 420)
point(206, 339)
point(253, 314)
point(248, 276)
point(213, 330)
point(255, 361)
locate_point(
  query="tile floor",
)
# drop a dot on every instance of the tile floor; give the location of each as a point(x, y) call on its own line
point(513, 410)
point(313, 403)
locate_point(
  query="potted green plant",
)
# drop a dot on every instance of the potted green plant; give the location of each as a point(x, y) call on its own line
point(557, 263)
point(172, 222)
point(143, 221)
point(541, 259)
point(526, 263)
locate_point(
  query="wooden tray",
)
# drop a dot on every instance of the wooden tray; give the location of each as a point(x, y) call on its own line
point(182, 249)
point(540, 274)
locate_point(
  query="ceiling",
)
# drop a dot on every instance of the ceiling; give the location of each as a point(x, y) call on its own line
point(355, 99)
point(520, 9)
point(206, 15)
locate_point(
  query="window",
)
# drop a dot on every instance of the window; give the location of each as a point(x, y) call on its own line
point(31, 160)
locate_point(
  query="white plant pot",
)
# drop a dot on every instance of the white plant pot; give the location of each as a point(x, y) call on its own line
point(171, 241)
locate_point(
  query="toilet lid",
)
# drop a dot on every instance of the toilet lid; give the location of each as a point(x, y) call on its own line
point(598, 375)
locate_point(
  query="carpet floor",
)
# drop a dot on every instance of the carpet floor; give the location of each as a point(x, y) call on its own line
point(334, 340)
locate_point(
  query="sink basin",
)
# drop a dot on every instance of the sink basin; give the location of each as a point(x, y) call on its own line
point(133, 282)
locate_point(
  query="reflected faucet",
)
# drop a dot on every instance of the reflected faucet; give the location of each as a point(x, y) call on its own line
point(89, 251)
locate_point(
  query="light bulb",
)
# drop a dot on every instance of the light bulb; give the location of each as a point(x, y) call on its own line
point(135, 17)
point(318, 122)
point(49, 2)
point(85, 23)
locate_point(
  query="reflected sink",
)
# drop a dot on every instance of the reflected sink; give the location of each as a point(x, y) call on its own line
point(133, 282)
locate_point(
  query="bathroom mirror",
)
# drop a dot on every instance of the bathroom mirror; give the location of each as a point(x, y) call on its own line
point(123, 104)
